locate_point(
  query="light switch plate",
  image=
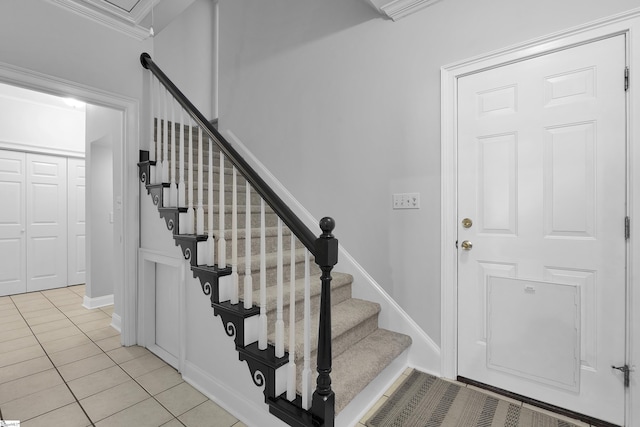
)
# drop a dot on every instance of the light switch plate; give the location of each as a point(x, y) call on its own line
point(406, 201)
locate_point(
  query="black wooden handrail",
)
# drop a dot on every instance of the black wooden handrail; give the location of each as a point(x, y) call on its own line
point(291, 220)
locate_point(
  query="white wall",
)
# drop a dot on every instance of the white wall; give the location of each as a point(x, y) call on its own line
point(39, 35)
point(37, 121)
point(344, 108)
point(184, 51)
point(104, 133)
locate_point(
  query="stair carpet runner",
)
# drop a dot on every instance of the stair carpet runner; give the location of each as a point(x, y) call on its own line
point(360, 349)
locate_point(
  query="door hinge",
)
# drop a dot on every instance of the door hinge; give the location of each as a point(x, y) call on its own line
point(626, 370)
point(626, 79)
point(627, 228)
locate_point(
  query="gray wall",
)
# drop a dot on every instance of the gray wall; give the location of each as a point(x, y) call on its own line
point(343, 107)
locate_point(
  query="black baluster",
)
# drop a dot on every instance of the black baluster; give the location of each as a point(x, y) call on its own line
point(323, 402)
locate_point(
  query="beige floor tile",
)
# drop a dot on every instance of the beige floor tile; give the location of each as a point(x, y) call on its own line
point(14, 324)
point(553, 414)
point(24, 369)
point(239, 424)
point(67, 416)
point(142, 365)
point(98, 381)
point(100, 334)
point(58, 334)
point(84, 367)
point(181, 398)
point(124, 354)
point(159, 380)
point(373, 409)
point(31, 296)
point(78, 289)
point(59, 301)
point(22, 387)
point(65, 343)
point(110, 343)
point(38, 403)
point(18, 343)
point(173, 423)
point(108, 402)
point(74, 354)
point(147, 413)
point(5, 300)
point(107, 309)
point(96, 324)
point(89, 317)
point(73, 310)
point(20, 355)
point(50, 316)
point(13, 334)
point(51, 326)
point(34, 306)
point(9, 312)
point(395, 385)
point(207, 414)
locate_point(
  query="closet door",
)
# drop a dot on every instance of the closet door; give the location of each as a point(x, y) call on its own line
point(46, 222)
point(77, 224)
point(12, 223)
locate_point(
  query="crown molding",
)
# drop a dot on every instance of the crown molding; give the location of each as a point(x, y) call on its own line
point(397, 9)
point(116, 20)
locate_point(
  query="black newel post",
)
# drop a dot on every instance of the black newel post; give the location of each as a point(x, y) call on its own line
point(323, 403)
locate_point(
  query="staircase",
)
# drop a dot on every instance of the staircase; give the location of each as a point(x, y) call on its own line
point(286, 314)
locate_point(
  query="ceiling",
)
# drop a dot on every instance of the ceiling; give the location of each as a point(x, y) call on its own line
point(133, 17)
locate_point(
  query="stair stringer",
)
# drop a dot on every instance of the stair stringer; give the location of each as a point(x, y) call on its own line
point(232, 381)
point(423, 354)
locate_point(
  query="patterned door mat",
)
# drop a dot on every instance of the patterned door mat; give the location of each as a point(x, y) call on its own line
point(423, 400)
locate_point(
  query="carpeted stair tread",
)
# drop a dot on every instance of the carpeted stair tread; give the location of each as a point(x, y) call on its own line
point(340, 280)
point(346, 318)
point(354, 369)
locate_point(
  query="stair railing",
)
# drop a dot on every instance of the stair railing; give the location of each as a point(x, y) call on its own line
point(318, 407)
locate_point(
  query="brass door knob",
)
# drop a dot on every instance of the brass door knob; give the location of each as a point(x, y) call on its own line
point(467, 245)
point(467, 223)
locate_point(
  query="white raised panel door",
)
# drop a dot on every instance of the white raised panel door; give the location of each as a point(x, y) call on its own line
point(542, 175)
point(76, 259)
point(12, 223)
point(46, 222)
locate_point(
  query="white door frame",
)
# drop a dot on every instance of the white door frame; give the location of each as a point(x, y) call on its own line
point(627, 23)
point(125, 287)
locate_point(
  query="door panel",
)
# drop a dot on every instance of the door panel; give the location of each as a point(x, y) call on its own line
point(542, 176)
point(46, 222)
point(12, 223)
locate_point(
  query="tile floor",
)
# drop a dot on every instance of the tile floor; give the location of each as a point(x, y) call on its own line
point(406, 373)
point(62, 364)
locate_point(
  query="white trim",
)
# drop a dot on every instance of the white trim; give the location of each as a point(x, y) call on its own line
point(129, 215)
point(118, 22)
point(36, 149)
point(97, 302)
point(147, 304)
point(400, 8)
point(116, 322)
point(628, 23)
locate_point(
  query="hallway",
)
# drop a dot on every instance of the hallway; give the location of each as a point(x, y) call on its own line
point(62, 364)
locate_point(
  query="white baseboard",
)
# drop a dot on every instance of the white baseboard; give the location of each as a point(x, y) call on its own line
point(97, 302)
point(116, 322)
point(227, 397)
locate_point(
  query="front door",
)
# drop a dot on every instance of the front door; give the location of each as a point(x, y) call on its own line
point(541, 227)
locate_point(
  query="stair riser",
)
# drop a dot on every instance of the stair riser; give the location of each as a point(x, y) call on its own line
point(272, 274)
point(271, 220)
point(228, 197)
point(271, 245)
